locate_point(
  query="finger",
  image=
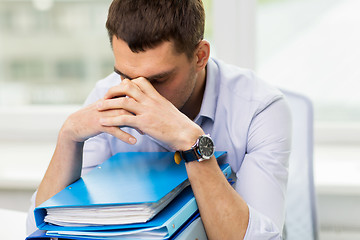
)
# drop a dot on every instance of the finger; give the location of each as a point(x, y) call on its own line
point(145, 86)
point(125, 88)
point(119, 121)
point(118, 112)
point(120, 134)
point(128, 104)
point(114, 112)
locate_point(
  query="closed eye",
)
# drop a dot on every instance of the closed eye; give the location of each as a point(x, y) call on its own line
point(158, 80)
point(122, 77)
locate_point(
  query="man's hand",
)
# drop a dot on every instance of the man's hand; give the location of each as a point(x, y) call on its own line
point(85, 123)
point(152, 114)
point(66, 163)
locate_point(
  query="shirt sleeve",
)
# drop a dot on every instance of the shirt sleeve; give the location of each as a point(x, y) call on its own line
point(261, 227)
point(262, 177)
point(96, 149)
point(30, 219)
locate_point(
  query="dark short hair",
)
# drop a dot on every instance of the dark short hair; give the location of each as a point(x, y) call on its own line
point(144, 24)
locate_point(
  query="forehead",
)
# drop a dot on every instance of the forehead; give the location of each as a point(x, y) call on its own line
point(162, 58)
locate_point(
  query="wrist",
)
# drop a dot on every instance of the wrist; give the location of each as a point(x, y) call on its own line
point(68, 134)
point(189, 138)
point(65, 139)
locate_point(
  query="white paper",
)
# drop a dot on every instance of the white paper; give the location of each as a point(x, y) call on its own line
point(109, 215)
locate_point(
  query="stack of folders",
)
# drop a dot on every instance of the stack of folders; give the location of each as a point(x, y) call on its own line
point(130, 196)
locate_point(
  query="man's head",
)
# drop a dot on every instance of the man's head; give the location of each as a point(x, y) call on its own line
point(161, 40)
point(145, 24)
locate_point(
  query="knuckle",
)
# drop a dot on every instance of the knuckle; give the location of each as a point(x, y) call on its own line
point(121, 112)
point(124, 119)
point(122, 101)
point(126, 80)
point(140, 80)
point(126, 84)
point(118, 119)
point(113, 89)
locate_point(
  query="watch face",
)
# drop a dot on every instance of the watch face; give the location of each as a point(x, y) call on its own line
point(206, 147)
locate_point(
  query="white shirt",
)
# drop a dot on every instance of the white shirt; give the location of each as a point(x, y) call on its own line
point(245, 117)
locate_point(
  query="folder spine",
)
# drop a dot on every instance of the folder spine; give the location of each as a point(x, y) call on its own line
point(180, 217)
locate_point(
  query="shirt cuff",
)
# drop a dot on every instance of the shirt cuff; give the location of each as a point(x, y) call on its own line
point(30, 220)
point(261, 227)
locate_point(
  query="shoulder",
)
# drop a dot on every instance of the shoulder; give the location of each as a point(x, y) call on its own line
point(243, 87)
point(101, 87)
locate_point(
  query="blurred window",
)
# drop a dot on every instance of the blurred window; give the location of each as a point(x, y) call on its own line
point(50, 48)
point(52, 52)
point(311, 46)
point(20, 69)
point(70, 69)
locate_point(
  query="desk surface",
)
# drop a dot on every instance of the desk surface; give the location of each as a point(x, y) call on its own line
point(12, 224)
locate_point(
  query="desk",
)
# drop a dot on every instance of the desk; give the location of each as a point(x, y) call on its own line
point(12, 224)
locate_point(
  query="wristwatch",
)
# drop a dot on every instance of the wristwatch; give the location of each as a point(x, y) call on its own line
point(203, 149)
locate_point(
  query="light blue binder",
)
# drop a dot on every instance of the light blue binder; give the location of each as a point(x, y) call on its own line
point(175, 218)
point(195, 230)
point(170, 219)
point(128, 178)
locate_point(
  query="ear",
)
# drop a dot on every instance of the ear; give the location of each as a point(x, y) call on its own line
point(202, 54)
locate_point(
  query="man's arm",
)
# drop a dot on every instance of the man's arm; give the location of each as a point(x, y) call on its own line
point(256, 208)
point(225, 213)
point(66, 163)
point(64, 168)
point(262, 178)
point(221, 207)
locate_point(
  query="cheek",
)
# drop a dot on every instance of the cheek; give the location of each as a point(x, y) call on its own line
point(168, 90)
point(176, 91)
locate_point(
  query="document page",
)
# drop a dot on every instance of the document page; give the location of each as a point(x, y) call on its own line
point(110, 215)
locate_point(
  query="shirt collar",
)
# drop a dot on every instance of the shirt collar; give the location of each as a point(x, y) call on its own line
point(208, 105)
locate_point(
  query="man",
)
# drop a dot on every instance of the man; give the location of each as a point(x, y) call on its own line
point(164, 95)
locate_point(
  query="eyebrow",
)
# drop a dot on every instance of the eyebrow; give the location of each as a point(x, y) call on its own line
point(120, 73)
point(150, 78)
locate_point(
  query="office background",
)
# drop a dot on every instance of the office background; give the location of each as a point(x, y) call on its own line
point(52, 52)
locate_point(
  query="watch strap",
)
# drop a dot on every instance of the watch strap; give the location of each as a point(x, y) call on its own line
point(190, 155)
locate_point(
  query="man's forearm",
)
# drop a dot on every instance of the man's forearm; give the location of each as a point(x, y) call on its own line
point(224, 213)
point(64, 168)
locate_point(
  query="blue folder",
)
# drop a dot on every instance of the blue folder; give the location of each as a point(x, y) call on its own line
point(139, 178)
point(187, 229)
point(175, 217)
